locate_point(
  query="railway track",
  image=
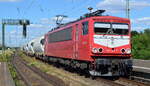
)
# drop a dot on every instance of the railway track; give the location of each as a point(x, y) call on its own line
point(33, 76)
point(128, 82)
point(109, 82)
point(122, 82)
point(106, 82)
point(88, 81)
point(141, 77)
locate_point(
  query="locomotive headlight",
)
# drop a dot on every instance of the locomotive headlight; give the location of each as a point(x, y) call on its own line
point(128, 51)
point(100, 50)
point(123, 50)
point(95, 50)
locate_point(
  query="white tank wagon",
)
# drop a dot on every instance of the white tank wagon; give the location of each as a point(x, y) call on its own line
point(30, 49)
point(38, 46)
point(24, 48)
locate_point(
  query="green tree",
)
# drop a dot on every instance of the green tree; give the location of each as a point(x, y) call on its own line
point(133, 33)
point(141, 45)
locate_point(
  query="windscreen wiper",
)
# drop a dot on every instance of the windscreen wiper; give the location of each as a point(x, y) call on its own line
point(109, 31)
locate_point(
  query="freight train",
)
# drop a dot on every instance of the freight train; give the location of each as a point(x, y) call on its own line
point(97, 44)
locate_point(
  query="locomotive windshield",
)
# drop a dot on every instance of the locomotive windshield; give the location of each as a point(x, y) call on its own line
point(111, 28)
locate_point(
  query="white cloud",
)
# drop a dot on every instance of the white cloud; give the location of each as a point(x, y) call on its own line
point(36, 26)
point(12, 32)
point(139, 24)
point(46, 21)
point(120, 5)
point(137, 28)
point(10, 0)
point(142, 21)
point(139, 4)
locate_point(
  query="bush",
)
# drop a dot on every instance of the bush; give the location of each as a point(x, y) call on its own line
point(6, 57)
point(141, 45)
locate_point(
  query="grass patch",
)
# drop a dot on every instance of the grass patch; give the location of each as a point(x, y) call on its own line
point(15, 76)
point(7, 57)
point(32, 64)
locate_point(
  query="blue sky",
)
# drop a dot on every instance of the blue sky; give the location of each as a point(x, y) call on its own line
point(42, 14)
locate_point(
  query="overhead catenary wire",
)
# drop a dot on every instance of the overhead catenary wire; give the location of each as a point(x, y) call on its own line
point(75, 7)
point(28, 7)
point(78, 8)
point(18, 10)
point(22, 13)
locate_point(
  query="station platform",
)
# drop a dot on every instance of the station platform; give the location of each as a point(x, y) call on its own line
point(5, 76)
point(141, 65)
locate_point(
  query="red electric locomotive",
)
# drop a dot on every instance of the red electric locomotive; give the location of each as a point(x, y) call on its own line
point(98, 44)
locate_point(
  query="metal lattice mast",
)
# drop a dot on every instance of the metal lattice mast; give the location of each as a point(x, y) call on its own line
point(128, 9)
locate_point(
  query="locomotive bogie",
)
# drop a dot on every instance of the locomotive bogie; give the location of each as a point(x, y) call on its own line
point(112, 67)
point(68, 62)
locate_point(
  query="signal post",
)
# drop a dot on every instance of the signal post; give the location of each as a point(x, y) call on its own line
point(5, 22)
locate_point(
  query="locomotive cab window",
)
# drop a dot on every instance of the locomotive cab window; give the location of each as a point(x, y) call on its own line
point(120, 29)
point(101, 28)
point(85, 28)
point(111, 28)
